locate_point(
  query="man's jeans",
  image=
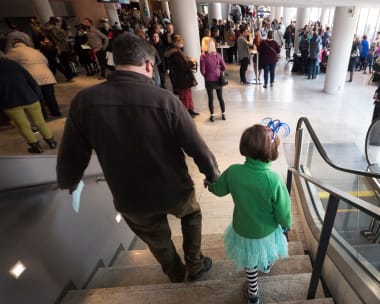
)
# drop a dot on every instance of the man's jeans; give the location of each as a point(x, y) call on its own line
point(153, 228)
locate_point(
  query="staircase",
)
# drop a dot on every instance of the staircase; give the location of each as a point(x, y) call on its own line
point(137, 278)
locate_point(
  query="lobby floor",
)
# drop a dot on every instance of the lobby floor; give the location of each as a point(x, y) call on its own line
point(335, 119)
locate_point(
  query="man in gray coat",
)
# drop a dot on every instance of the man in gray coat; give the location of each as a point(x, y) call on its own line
point(99, 43)
point(140, 133)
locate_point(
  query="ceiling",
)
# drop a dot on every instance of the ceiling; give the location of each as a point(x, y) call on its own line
point(304, 3)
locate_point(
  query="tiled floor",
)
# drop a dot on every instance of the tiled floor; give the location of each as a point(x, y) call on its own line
point(335, 119)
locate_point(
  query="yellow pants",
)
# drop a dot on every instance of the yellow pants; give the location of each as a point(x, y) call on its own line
point(20, 115)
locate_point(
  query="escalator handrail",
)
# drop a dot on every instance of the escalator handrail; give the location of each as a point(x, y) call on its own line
point(52, 184)
point(323, 152)
point(358, 203)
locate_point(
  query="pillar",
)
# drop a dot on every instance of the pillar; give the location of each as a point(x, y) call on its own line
point(89, 9)
point(278, 10)
point(345, 19)
point(324, 17)
point(144, 9)
point(302, 19)
point(288, 15)
point(43, 10)
point(199, 7)
point(165, 8)
point(214, 12)
point(112, 13)
point(185, 19)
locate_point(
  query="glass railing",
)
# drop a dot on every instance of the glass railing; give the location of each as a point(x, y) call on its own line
point(339, 172)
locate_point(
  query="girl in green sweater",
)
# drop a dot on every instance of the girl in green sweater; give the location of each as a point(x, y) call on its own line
point(255, 239)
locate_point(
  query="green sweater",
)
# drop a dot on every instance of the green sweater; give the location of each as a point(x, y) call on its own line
point(260, 196)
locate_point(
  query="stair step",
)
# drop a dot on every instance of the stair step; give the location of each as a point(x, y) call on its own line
point(216, 241)
point(221, 270)
point(273, 289)
point(313, 301)
point(145, 257)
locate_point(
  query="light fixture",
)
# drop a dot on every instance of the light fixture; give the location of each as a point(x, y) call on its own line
point(118, 218)
point(17, 270)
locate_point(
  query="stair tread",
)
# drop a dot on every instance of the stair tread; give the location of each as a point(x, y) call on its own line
point(212, 241)
point(273, 289)
point(222, 269)
point(145, 257)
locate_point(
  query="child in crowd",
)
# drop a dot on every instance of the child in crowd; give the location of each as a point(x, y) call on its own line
point(255, 239)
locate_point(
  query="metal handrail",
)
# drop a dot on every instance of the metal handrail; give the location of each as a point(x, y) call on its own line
point(323, 153)
point(335, 196)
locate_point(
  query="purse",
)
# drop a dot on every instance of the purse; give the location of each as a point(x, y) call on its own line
point(222, 81)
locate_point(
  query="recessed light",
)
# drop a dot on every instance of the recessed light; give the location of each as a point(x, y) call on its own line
point(118, 218)
point(17, 270)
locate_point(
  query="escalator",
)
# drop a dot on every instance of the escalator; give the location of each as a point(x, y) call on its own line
point(325, 174)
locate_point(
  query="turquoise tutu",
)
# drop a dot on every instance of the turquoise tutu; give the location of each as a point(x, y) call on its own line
point(248, 253)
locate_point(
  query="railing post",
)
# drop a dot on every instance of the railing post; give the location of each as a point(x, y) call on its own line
point(289, 181)
point(298, 148)
point(328, 224)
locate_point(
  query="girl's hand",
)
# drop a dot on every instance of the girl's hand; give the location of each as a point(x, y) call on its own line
point(206, 183)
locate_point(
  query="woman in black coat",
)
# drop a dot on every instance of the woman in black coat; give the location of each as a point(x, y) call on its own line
point(182, 68)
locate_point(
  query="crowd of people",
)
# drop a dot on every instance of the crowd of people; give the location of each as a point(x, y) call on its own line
point(55, 46)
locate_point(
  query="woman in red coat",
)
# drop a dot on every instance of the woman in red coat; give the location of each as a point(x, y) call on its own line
point(182, 68)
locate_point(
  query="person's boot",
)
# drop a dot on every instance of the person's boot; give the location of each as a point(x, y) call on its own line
point(51, 142)
point(35, 148)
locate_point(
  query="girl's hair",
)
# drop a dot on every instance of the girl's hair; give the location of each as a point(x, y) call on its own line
point(260, 143)
point(208, 45)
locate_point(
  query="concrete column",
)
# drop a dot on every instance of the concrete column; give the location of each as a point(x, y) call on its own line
point(144, 9)
point(288, 14)
point(302, 19)
point(343, 32)
point(214, 12)
point(43, 10)
point(165, 8)
point(324, 16)
point(184, 16)
point(88, 9)
point(199, 7)
point(278, 12)
point(112, 13)
point(225, 11)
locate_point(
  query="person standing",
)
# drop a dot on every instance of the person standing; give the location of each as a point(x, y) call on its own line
point(146, 171)
point(243, 44)
point(19, 99)
point(37, 65)
point(262, 208)
point(269, 51)
point(58, 37)
point(315, 49)
point(99, 43)
point(354, 59)
point(211, 65)
point(181, 67)
point(376, 109)
point(159, 46)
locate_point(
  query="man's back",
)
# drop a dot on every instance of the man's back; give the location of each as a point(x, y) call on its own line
point(138, 132)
